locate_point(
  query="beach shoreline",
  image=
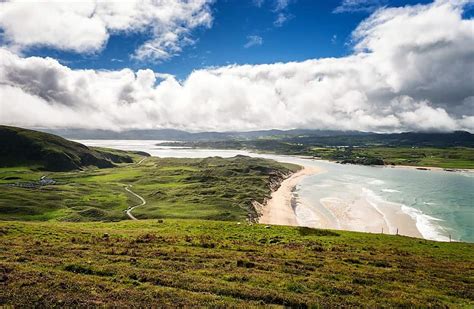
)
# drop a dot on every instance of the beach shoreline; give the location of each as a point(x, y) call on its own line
point(412, 167)
point(431, 168)
point(363, 214)
point(368, 213)
point(278, 209)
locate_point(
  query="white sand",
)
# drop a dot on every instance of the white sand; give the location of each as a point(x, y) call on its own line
point(365, 216)
point(431, 168)
point(278, 209)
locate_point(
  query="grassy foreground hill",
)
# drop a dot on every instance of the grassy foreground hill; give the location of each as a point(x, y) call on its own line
point(22, 147)
point(175, 263)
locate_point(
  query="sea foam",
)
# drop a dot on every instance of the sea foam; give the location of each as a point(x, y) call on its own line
point(425, 224)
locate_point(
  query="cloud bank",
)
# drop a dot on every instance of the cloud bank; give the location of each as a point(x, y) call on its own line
point(85, 26)
point(411, 69)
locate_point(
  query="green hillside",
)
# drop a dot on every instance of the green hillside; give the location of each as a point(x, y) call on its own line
point(191, 263)
point(211, 188)
point(22, 147)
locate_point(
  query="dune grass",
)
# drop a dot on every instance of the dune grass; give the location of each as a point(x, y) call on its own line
point(211, 188)
point(214, 263)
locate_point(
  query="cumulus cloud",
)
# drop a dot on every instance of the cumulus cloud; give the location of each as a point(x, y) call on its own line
point(411, 70)
point(85, 26)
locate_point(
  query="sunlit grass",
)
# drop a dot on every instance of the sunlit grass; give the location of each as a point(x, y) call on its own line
point(196, 263)
point(211, 188)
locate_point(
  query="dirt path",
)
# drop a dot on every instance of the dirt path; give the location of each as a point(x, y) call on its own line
point(143, 201)
point(140, 162)
point(129, 210)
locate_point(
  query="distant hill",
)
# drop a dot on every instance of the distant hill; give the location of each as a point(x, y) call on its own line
point(301, 136)
point(179, 135)
point(50, 152)
point(406, 139)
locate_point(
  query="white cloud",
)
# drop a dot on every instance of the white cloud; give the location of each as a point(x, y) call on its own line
point(253, 40)
point(411, 70)
point(351, 6)
point(283, 16)
point(280, 8)
point(281, 4)
point(85, 26)
point(278, 5)
point(281, 19)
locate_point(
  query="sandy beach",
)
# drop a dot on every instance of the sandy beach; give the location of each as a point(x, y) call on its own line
point(364, 214)
point(278, 209)
point(431, 168)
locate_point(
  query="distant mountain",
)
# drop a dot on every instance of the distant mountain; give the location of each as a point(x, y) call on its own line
point(50, 152)
point(178, 135)
point(410, 139)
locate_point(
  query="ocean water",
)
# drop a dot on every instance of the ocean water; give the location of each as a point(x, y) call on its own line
point(441, 203)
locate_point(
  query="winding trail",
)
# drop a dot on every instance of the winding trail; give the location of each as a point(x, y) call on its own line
point(129, 210)
point(140, 162)
point(143, 201)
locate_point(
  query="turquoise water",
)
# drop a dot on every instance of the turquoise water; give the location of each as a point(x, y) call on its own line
point(442, 203)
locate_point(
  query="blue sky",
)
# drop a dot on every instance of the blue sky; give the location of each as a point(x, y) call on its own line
point(312, 30)
point(204, 65)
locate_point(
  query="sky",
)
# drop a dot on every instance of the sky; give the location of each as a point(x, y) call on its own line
point(199, 65)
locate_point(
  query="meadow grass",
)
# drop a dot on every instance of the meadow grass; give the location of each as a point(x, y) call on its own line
point(210, 188)
point(174, 262)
